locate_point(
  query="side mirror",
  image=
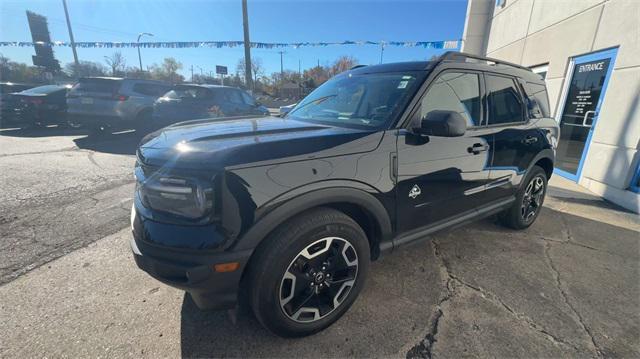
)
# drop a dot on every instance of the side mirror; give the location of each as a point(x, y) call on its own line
point(442, 123)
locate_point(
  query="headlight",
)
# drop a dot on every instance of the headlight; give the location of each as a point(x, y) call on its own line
point(184, 197)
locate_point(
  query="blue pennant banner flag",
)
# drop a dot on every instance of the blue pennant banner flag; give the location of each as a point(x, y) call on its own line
point(453, 44)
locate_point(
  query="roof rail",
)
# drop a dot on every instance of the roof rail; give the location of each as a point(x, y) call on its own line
point(357, 67)
point(454, 56)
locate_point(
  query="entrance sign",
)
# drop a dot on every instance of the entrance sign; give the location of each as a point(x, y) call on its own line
point(583, 99)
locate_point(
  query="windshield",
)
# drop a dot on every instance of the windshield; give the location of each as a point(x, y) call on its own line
point(369, 101)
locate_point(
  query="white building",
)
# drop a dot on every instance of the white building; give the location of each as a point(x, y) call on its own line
point(589, 53)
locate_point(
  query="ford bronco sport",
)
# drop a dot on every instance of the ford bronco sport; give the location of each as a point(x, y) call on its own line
point(287, 213)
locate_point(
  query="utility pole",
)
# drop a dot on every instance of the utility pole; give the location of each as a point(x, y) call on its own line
point(281, 64)
point(191, 73)
point(247, 46)
point(381, 50)
point(73, 43)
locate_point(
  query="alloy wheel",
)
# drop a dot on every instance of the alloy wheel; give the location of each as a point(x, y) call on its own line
point(318, 279)
point(532, 199)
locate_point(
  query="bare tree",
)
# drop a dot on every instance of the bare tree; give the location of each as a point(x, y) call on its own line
point(257, 68)
point(116, 61)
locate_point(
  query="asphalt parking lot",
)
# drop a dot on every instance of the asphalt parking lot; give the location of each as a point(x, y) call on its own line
point(567, 287)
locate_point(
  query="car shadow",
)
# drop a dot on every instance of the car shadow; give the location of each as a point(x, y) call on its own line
point(120, 143)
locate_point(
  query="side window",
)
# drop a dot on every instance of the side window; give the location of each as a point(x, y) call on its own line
point(454, 91)
point(539, 93)
point(234, 97)
point(248, 99)
point(505, 105)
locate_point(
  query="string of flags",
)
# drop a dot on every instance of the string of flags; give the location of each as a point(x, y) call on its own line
point(452, 44)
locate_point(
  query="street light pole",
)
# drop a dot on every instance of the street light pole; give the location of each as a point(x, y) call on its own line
point(138, 42)
point(247, 46)
point(73, 43)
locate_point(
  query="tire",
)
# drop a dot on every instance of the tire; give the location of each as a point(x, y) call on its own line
point(529, 200)
point(308, 272)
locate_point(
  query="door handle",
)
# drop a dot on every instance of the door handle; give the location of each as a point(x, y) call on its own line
point(586, 117)
point(529, 140)
point(476, 148)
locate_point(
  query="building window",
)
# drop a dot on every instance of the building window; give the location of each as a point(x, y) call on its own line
point(541, 70)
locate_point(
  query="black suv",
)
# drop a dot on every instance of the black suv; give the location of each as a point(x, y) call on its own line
point(287, 213)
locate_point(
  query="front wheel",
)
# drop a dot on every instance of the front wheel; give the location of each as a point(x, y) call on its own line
point(308, 273)
point(528, 202)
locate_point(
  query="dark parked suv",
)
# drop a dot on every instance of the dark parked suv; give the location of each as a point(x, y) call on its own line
point(287, 213)
point(191, 102)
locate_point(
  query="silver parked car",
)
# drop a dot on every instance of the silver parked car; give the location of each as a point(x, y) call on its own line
point(111, 103)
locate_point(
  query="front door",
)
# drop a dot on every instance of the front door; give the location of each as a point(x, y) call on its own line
point(441, 177)
point(581, 109)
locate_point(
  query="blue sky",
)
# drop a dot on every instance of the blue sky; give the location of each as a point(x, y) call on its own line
point(208, 20)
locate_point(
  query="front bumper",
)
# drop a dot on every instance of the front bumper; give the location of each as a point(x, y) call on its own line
point(191, 270)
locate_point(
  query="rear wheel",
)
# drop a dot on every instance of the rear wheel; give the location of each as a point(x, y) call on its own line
point(528, 202)
point(308, 273)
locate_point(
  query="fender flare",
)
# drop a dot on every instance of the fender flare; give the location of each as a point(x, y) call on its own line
point(324, 196)
point(546, 153)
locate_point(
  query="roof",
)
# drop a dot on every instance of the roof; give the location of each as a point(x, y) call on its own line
point(209, 86)
point(459, 59)
point(393, 67)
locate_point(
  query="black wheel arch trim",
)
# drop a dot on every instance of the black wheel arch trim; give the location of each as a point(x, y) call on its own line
point(546, 153)
point(316, 198)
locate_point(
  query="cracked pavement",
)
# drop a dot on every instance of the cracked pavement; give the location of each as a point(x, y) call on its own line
point(569, 286)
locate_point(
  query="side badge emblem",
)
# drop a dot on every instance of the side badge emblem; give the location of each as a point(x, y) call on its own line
point(415, 191)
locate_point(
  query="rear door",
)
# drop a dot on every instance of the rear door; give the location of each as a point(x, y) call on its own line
point(516, 140)
point(443, 177)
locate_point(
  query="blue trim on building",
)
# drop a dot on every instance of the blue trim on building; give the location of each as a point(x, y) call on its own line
point(599, 55)
point(635, 180)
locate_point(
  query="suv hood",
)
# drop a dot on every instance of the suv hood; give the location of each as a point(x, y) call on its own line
point(243, 142)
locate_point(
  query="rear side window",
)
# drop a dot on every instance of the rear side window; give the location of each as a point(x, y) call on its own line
point(539, 93)
point(155, 90)
point(505, 104)
point(97, 85)
point(248, 99)
point(454, 91)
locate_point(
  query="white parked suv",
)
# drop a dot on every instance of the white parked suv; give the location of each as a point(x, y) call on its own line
point(110, 103)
